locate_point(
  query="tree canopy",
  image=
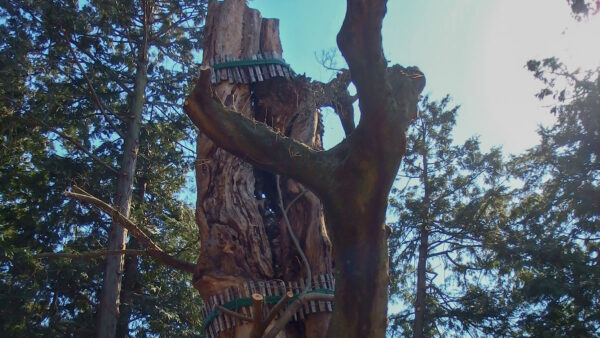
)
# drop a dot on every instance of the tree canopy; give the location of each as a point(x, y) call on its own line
point(449, 202)
point(68, 73)
point(510, 246)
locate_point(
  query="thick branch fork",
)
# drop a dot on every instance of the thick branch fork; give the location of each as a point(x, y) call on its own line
point(254, 141)
point(260, 145)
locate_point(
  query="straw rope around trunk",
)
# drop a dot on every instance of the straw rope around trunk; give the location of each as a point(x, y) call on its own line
point(238, 299)
point(260, 67)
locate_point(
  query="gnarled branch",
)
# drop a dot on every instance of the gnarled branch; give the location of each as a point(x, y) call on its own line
point(255, 142)
point(335, 94)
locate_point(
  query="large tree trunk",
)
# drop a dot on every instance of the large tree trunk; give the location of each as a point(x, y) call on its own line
point(362, 278)
point(108, 311)
point(244, 237)
point(352, 179)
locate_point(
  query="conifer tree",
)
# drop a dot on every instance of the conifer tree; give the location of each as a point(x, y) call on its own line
point(449, 200)
point(68, 89)
point(552, 244)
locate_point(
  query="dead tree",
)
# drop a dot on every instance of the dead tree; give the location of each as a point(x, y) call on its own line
point(245, 237)
point(257, 122)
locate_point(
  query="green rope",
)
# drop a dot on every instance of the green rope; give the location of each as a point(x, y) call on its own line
point(249, 62)
point(238, 303)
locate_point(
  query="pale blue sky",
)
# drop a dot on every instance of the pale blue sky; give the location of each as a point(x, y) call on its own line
point(474, 50)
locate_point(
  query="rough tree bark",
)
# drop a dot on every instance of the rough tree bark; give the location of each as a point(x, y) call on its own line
point(244, 237)
point(129, 286)
point(108, 310)
point(130, 273)
point(420, 302)
point(352, 180)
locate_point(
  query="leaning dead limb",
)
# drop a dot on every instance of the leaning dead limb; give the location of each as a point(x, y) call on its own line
point(90, 254)
point(152, 249)
point(278, 307)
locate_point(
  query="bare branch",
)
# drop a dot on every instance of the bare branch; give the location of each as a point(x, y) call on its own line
point(91, 254)
point(152, 249)
point(326, 58)
point(233, 313)
point(280, 304)
point(257, 307)
point(297, 197)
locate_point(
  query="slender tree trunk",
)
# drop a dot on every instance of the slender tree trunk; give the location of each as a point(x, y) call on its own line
point(420, 303)
point(130, 276)
point(108, 311)
point(131, 272)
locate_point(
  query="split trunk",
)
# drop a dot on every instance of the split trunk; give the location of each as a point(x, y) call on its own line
point(246, 245)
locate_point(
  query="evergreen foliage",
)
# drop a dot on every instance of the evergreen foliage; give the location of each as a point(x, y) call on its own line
point(56, 57)
point(552, 244)
point(512, 249)
point(449, 200)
